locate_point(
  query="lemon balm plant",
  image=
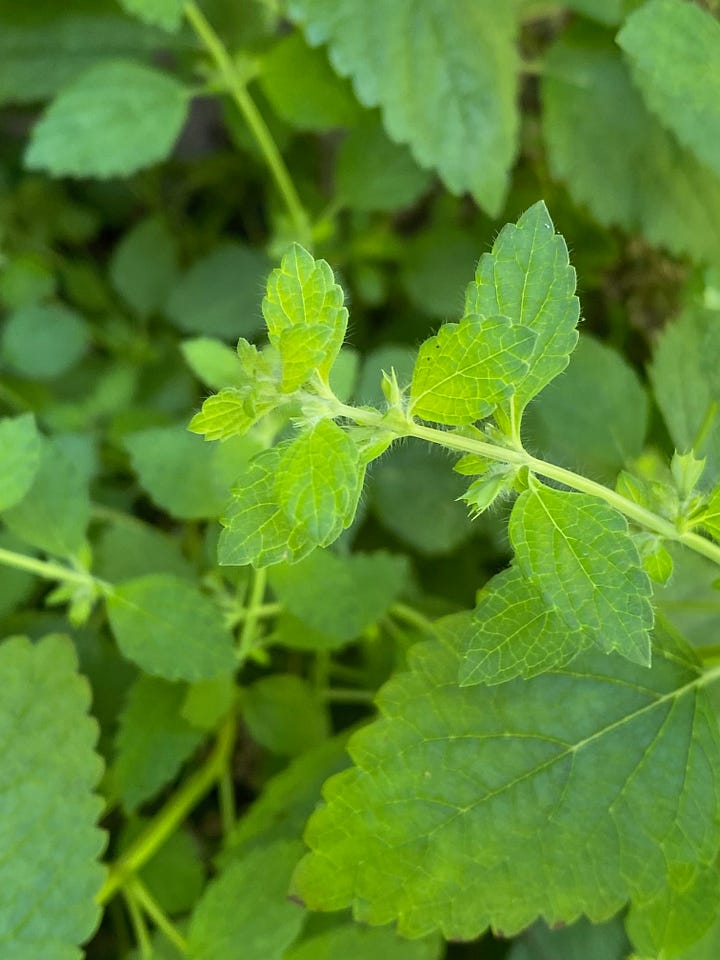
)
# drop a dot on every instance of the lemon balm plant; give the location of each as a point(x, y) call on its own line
point(358, 599)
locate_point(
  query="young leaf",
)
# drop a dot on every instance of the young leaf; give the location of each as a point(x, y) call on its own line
point(153, 740)
point(652, 185)
point(54, 514)
point(305, 316)
point(338, 597)
point(674, 53)
point(257, 530)
point(48, 810)
point(248, 904)
point(528, 278)
point(19, 457)
point(445, 79)
point(170, 629)
point(710, 518)
point(167, 14)
point(114, 119)
point(579, 554)
point(516, 633)
point(465, 371)
point(318, 484)
point(606, 758)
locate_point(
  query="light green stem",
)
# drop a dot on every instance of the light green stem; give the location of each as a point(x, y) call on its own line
point(172, 815)
point(521, 458)
point(138, 892)
point(413, 617)
point(345, 695)
point(48, 570)
point(236, 87)
point(137, 920)
point(252, 615)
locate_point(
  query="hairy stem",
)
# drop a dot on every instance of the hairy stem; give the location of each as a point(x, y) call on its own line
point(236, 87)
point(521, 458)
point(48, 570)
point(167, 820)
point(252, 614)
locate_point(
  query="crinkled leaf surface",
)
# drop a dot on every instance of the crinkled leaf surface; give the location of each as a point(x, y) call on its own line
point(445, 78)
point(674, 53)
point(153, 740)
point(318, 483)
point(248, 905)
point(579, 554)
point(564, 794)
point(305, 316)
point(19, 457)
point(516, 633)
point(527, 277)
point(170, 629)
point(114, 119)
point(652, 185)
point(463, 372)
point(49, 841)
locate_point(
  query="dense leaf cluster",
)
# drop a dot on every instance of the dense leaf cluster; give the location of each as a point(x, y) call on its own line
point(359, 590)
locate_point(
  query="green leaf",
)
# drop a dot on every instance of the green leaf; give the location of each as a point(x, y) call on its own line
point(153, 740)
point(287, 800)
point(167, 14)
point(248, 904)
point(19, 458)
point(594, 418)
point(674, 53)
point(48, 810)
point(374, 173)
point(305, 316)
point(54, 514)
point(711, 514)
point(339, 597)
point(219, 296)
point(579, 554)
point(114, 119)
point(652, 185)
point(468, 368)
point(43, 341)
point(411, 482)
point(303, 89)
point(444, 78)
point(516, 633)
point(228, 413)
point(318, 484)
point(213, 362)
point(131, 548)
point(527, 277)
point(170, 629)
point(580, 941)
point(144, 266)
point(399, 358)
point(353, 942)
point(257, 530)
point(678, 916)
point(686, 384)
point(55, 44)
point(283, 714)
point(435, 268)
point(615, 762)
point(183, 475)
